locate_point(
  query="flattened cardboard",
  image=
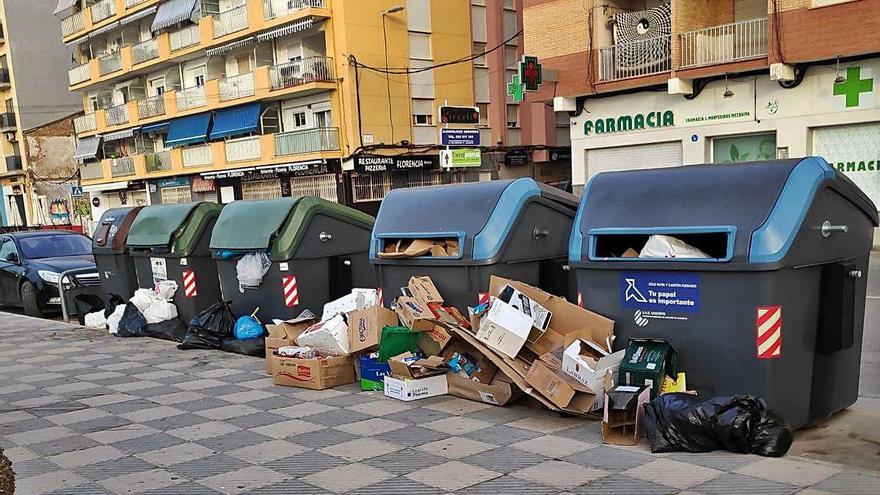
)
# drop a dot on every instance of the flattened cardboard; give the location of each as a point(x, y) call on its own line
point(424, 290)
point(314, 374)
point(499, 392)
point(409, 390)
point(289, 329)
point(365, 327)
point(418, 247)
point(504, 328)
point(434, 341)
point(561, 390)
point(623, 420)
point(487, 369)
point(408, 366)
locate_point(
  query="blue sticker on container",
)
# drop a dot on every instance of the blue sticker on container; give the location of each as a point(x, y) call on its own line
point(674, 292)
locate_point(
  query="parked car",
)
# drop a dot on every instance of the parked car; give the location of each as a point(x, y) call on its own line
point(31, 264)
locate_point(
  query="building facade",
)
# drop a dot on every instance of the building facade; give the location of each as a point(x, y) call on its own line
point(248, 99)
point(34, 93)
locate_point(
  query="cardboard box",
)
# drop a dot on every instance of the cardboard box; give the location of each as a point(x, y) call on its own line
point(372, 373)
point(648, 362)
point(315, 374)
point(422, 388)
point(505, 328)
point(539, 314)
point(365, 327)
point(623, 421)
point(483, 370)
point(283, 333)
point(410, 366)
point(434, 341)
point(414, 314)
point(589, 364)
point(560, 389)
point(423, 289)
point(327, 337)
point(358, 299)
point(499, 392)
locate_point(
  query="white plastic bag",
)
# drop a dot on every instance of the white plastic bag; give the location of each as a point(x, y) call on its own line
point(161, 310)
point(95, 320)
point(113, 319)
point(165, 289)
point(251, 269)
point(664, 246)
point(142, 298)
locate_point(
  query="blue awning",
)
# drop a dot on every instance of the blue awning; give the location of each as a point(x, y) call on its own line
point(188, 130)
point(174, 11)
point(236, 121)
point(156, 127)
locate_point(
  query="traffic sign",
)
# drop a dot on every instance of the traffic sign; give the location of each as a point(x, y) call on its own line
point(459, 137)
point(76, 191)
point(460, 158)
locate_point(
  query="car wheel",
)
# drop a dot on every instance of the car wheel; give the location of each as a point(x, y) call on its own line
point(29, 300)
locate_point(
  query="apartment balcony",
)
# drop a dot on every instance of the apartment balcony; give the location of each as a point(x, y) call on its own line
point(5, 80)
point(8, 122)
point(197, 156)
point(110, 63)
point(13, 163)
point(231, 21)
point(85, 123)
point(185, 37)
point(307, 70)
point(732, 42)
point(635, 59)
point(235, 87)
point(117, 115)
point(121, 167)
point(78, 74)
point(193, 97)
point(243, 149)
point(158, 162)
point(145, 51)
point(151, 107)
point(280, 8)
point(104, 9)
point(307, 141)
point(73, 23)
point(91, 171)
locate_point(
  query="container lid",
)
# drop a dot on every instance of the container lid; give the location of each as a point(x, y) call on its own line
point(112, 231)
point(176, 227)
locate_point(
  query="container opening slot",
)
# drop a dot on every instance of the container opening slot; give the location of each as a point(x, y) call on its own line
point(434, 247)
point(627, 246)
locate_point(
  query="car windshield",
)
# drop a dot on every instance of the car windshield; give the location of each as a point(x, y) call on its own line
point(50, 246)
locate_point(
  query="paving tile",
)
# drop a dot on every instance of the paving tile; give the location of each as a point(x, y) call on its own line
point(257, 420)
point(177, 398)
point(738, 483)
point(315, 395)
point(122, 433)
point(176, 421)
point(156, 374)
point(199, 384)
point(243, 480)
point(609, 458)
point(302, 410)
point(545, 423)
point(370, 427)
point(289, 487)
point(456, 425)
point(590, 432)
point(151, 413)
point(188, 488)
point(145, 444)
point(464, 475)
point(504, 485)
point(360, 449)
point(113, 468)
point(417, 416)
point(673, 473)
point(405, 461)
point(337, 417)
point(322, 438)
point(552, 446)
point(458, 406)
point(233, 440)
point(85, 457)
point(618, 483)
point(142, 482)
point(412, 436)
point(205, 430)
point(175, 454)
point(227, 411)
point(381, 407)
point(850, 483)
point(71, 387)
point(264, 452)
point(48, 482)
point(793, 472)
point(201, 404)
point(501, 435)
point(206, 467)
point(33, 467)
point(85, 489)
point(71, 417)
point(455, 447)
point(397, 484)
point(106, 399)
point(306, 463)
point(259, 383)
point(504, 460)
point(20, 454)
point(134, 386)
point(40, 435)
point(347, 477)
point(287, 428)
point(276, 402)
point(559, 474)
point(15, 416)
point(246, 396)
point(720, 460)
point(349, 400)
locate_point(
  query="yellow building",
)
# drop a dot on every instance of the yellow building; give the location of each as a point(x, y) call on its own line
point(244, 99)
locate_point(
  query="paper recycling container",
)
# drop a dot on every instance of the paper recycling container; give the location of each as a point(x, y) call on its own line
point(115, 266)
point(170, 242)
point(777, 308)
point(318, 249)
point(516, 229)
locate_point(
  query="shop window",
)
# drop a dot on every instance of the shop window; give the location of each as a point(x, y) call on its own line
point(370, 187)
point(319, 186)
point(744, 148)
point(176, 195)
point(261, 189)
point(422, 178)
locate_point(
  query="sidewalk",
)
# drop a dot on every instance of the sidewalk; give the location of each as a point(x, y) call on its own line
point(82, 412)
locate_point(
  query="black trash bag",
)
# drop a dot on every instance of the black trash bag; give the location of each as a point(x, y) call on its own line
point(218, 319)
point(132, 323)
point(85, 304)
point(740, 423)
point(248, 347)
point(173, 330)
point(112, 302)
point(197, 338)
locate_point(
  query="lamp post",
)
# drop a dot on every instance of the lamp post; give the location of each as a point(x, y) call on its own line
point(392, 10)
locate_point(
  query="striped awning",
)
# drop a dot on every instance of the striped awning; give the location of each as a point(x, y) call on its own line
point(174, 11)
point(220, 50)
point(139, 15)
point(293, 27)
point(87, 148)
point(102, 30)
point(116, 136)
point(64, 6)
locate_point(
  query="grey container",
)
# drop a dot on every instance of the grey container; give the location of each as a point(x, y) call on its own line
point(115, 266)
point(170, 242)
point(516, 229)
point(318, 252)
point(778, 308)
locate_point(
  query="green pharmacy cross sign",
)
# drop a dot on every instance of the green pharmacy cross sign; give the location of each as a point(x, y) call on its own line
point(853, 87)
point(515, 89)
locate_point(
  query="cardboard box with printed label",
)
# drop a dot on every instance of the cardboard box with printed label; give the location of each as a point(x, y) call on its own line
point(414, 314)
point(434, 341)
point(422, 388)
point(539, 314)
point(471, 363)
point(410, 366)
point(589, 364)
point(424, 290)
point(283, 333)
point(648, 362)
point(504, 328)
point(499, 392)
point(365, 327)
point(623, 422)
point(562, 390)
point(315, 374)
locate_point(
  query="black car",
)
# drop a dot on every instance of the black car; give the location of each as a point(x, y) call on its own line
point(31, 263)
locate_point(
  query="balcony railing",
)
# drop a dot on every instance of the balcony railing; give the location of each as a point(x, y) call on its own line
point(230, 21)
point(634, 59)
point(307, 70)
point(235, 87)
point(151, 107)
point(7, 121)
point(131, 3)
point(110, 63)
point(280, 8)
point(191, 98)
point(91, 170)
point(121, 167)
point(73, 23)
point(79, 74)
point(197, 156)
point(103, 10)
point(185, 37)
point(721, 44)
point(158, 162)
point(307, 141)
point(85, 123)
point(117, 115)
point(13, 163)
point(242, 149)
point(145, 51)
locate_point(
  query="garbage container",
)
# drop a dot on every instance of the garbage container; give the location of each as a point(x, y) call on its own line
point(170, 242)
point(115, 266)
point(777, 307)
point(517, 229)
point(318, 252)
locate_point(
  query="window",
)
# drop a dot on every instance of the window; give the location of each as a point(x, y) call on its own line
point(323, 118)
point(157, 86)
point(422, 178)
point(481, 84)
point(480, 49)
point(51, 246)
point(261, 189)
point(93, 103)
point(10, 106)
point(420, 46)
point(484, 113)
point(423, 112)
point(744, 148)
point(511, 58)
point(418, 15)
point(510, 27)
point(509, 5)
point(370, 187)
point(319, 186)
point(512, 115)
point(478, 23)
point(421, 83)
point(422, 119)
point(176, 195)
point(7, 248)
point(299, 120)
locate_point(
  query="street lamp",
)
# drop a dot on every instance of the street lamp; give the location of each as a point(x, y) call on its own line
point(392, 10)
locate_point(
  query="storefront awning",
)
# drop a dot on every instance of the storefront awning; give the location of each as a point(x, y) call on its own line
point(138, 15)
point(116, 136)
point(64, 6)
point(102, 30)
point(188, 130)
point(110, 186)
point(156, 127)
point(235, 121)
point(293, 27)
point(174, 11)
point(87, 148)
point(221, 50)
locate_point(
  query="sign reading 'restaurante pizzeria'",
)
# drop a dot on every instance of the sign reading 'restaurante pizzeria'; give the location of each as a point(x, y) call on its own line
point(630, 122)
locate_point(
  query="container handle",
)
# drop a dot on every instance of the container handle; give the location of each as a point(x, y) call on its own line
point(325, 236)
point(828, 228)
point(538, 234)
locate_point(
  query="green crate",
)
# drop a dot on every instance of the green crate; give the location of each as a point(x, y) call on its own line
point(372, 385)
point(397, 340)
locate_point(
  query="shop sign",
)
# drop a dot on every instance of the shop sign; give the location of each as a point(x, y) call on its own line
point(626, 123)
point(173, 182)
point(459, 115)
point(559, 155)
point(854, 150)
point(460, 158)
point(459, 137)
point(516, 158)
point(391, 163)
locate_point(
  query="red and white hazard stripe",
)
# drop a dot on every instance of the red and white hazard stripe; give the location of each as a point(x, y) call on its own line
point(290, 291)
point(379, 296)
point(769, 328)
point(483, 298)
point(580, 299)
point(189, 284)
